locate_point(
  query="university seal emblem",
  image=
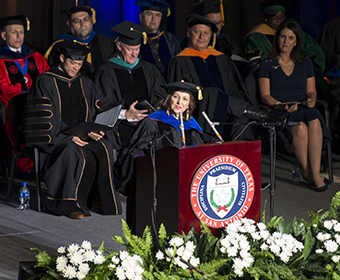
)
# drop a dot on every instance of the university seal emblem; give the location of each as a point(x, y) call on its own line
point(222, 191)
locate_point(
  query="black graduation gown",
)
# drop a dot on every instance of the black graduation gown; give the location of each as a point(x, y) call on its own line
point(102, 48)
point(142, 82)
point(160, 49)
point(139, 144)
point(55, 103)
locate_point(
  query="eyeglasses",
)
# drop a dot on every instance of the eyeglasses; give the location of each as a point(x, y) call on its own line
point(79, 21)
point(279, 18)
point(221, 23)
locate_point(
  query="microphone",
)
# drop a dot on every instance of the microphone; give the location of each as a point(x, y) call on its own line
point(182, 128)
point(212, 125)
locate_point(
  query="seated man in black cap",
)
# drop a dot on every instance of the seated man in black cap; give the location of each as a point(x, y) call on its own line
point(19, 67)
point(127, 77)
point(162, 45)
point(62, 98)
point(80, 24)
point(225, 94)
point(210, 9)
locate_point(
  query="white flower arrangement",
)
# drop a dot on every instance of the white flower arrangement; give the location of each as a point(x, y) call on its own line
point(245, 250)
point(242, 233)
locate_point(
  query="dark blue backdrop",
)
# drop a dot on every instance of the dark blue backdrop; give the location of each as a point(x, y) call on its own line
point(312, 14)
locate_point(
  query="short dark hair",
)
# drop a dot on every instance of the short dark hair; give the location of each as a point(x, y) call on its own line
point(166, 104)
point(294, 26)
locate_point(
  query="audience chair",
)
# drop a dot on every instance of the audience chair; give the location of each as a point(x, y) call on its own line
point(16, 110)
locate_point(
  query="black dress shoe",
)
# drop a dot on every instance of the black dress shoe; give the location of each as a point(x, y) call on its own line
point(261, 116)
point(76, 215)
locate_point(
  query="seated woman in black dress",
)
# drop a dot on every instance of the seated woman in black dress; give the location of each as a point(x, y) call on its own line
point(287, 77)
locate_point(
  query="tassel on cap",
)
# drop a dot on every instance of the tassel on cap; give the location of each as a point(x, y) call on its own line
point(214, 40)
point(145, 36)
point(93, 11)
point(168, 12)
point(222, 12)
point(27, 24)
point(200, 95)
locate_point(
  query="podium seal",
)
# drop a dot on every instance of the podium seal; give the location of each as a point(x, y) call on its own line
point(222, 191)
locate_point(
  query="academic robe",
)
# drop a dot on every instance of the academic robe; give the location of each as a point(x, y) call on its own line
point(142, 82)
point(55, 103)
point(102, 48)
point(224, 43)
point(160, 48)
point(164, 131)
point(17, 73)
point(330, 43)
point(153, 127)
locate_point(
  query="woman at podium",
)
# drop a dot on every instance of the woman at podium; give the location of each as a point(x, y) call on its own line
point(172, 125)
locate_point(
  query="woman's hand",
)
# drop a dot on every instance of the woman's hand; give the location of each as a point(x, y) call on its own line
point(96, 136)
point(291, 109)
point(78, 141)
point(133, 114)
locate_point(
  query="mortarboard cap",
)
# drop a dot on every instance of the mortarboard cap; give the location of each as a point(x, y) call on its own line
point(131, 33)
point(74, 50)
point(69, 12)
point(273, 5)
point(183, 86)
point(18, 19)
point(194, 19)
point(206, 7)
point(154, 5)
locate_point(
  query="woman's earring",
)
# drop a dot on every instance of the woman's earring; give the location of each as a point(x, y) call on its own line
point(168, 112)
point(187, 114)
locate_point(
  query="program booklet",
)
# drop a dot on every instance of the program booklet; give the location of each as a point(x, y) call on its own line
point(103, 122)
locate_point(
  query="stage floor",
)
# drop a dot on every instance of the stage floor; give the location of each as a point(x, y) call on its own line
point(21, 231)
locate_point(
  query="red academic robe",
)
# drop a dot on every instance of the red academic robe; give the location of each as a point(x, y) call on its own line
point(13, 81)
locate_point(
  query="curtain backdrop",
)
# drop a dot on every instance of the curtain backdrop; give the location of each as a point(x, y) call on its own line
point(240, 16)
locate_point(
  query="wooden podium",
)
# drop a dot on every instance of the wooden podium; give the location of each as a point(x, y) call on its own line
point(177, 169)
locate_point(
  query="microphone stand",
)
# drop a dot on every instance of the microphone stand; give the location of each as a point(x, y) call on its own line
point(152, 148)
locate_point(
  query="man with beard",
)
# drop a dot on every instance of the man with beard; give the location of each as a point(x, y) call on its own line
point(73, 165)
point(80, 24)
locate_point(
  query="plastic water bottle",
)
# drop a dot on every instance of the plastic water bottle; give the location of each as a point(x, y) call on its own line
point(24, 197)
point(296, 173)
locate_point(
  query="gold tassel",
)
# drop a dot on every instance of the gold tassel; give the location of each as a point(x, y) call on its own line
point(93, 15)
point(200, 95)
point(222, 11)
point(27, 24)
point(214, 41)
point(145, 38)
point(168, 12)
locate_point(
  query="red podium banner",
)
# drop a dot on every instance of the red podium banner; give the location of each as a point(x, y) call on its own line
point(213, 183)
